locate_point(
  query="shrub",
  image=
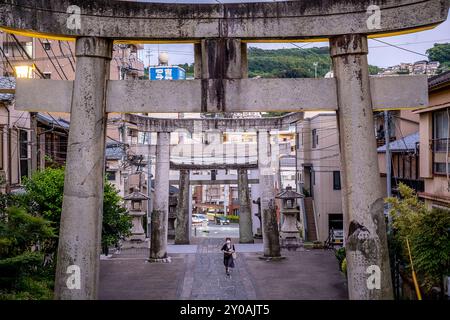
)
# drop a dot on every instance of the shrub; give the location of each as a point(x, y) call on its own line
point(340, 256)
point(44, 196)
point(428, 235)
point(23, 245)
point(344, 266)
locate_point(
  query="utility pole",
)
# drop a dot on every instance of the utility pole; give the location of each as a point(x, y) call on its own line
point(388, 154)
point(315, 69)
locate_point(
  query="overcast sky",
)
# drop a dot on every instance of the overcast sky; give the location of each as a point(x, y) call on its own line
point(379, 54)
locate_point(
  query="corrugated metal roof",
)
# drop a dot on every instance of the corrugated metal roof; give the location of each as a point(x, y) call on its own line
point(407, 143)
point(114, 150)
point(7, 83)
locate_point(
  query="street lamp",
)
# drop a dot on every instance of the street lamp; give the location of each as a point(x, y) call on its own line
point(315, 69)
point(24, 70)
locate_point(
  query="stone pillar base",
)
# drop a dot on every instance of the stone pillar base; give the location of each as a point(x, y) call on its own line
point(279, 258)
point(292, 243)
point(134, 244)
point(160, 260)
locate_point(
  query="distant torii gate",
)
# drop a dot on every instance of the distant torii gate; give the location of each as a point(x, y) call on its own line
point(220, 33)
point(163, 128)
point(182, 230)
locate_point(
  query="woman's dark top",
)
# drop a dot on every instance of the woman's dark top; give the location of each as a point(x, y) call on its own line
point(228, 260)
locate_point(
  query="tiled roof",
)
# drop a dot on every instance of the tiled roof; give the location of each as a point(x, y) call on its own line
point(407, 143)
point(439, 79)
point(7, 83)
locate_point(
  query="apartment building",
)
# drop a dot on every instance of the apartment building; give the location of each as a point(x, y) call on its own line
point(318, 169)
point(435, 143)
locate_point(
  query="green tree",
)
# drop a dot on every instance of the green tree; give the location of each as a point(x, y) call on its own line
point(44, 193)
point(189, 68)
point(23, 245)
point(428, 235)
point(116, 222)
point(44, 196)
point(440, 52)
point(291, 63)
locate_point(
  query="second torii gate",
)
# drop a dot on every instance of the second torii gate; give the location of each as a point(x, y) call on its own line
point(267, 157)
point(182, 234)
point(219, 33)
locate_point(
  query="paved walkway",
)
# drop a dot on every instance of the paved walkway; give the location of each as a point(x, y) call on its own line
point(197, 272)
point(206, 278)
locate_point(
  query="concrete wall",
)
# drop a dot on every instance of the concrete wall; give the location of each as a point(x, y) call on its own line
point(407, 123)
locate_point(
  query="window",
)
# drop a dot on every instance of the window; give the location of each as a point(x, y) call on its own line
point(313, 177)
point(111, 175)
point(336, 180)
point(440, 130)
point(213, 175)
point(315, 138)
point(440, 168)
point(440, 140)
point(23, 153)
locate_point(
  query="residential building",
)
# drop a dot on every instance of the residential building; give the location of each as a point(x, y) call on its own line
point(429, 68)
point(38, 140)
point(435, 143)
point(318, 169)
point(404, 141)
point(15, 146)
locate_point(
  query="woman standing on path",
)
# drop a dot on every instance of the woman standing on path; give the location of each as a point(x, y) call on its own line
point(228, 250)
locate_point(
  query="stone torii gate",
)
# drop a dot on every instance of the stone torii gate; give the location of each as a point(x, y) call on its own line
point(220, 33)
point(163, 128)
point(182, 230)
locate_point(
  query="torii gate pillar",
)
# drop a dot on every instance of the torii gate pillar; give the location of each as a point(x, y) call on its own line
point(77, 272)
point(362, 197)
point(160, 214)
point(245, 212)
point(183, 226)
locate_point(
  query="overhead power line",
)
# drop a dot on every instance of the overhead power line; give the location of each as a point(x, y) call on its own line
point(398, 47)
point(54, 66)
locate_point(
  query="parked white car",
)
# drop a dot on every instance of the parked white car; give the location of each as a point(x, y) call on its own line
point(198, 219)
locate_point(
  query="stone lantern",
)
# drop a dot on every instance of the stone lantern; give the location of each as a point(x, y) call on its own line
point(137, 212)
point(290, 234)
